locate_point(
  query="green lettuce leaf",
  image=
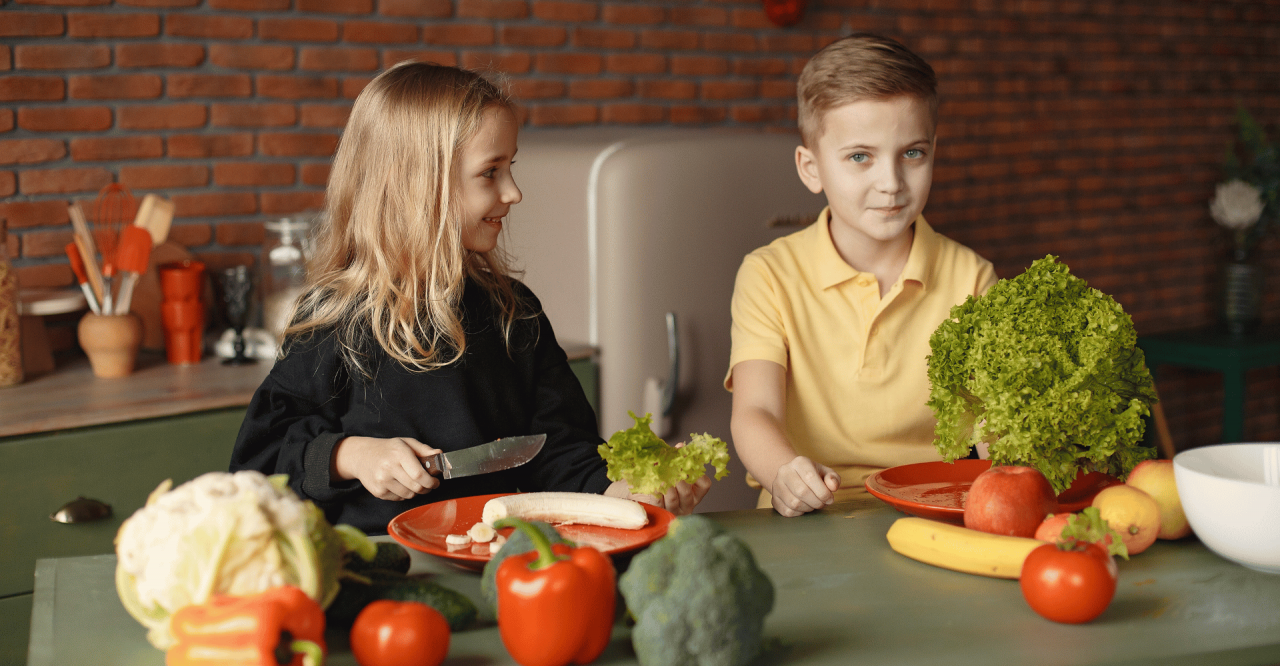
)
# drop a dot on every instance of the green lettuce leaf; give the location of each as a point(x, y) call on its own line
point(650, 466)
point(1045, 370)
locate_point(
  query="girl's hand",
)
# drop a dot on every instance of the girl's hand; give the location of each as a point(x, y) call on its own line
point(802, 485)
point(679, 499)
point(390, 469)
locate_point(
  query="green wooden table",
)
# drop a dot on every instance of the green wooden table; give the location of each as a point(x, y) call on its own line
point(843, 597)
point(1215, 349)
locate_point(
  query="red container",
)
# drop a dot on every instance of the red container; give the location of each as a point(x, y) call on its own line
point(182, 280)
point(183, 330)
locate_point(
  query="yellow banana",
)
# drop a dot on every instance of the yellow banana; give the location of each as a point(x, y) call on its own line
point(567, 508)
point(959, 548)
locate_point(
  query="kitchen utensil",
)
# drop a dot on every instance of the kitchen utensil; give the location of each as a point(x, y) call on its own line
point(132, 257)
point(82, 277)
point(155, 215)
point(425, 528)
point(237, 285)
point(114, 205)
point(88, 250)
point(1229, 504)
point(111, 343)
point(81, 510)
point(495, 456)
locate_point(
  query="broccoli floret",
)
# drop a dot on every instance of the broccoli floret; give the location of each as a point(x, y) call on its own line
point(698, 598)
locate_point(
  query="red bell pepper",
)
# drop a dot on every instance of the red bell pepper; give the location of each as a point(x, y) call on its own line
point(279, 627)
point(555, 605)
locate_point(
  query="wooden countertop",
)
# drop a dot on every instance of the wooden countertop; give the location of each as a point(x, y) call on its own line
point(71, 397)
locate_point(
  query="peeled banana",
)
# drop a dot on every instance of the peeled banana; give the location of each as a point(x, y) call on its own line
point(959, 548)
point(567, 508)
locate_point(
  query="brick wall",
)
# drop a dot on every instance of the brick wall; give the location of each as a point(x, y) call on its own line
point(1091, 130)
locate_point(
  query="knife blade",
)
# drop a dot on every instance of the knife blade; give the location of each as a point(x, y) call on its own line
point(494, 456)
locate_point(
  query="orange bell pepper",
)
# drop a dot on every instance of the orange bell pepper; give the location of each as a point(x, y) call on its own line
point(555, 605)
point(279, 627)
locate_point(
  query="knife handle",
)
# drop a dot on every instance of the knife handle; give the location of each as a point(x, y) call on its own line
point(434, 465)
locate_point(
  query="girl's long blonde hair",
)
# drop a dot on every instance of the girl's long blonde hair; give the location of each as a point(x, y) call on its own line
point(389, 267)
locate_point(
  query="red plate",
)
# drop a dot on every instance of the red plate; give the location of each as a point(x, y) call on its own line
point(938, 490)
point(424, 528)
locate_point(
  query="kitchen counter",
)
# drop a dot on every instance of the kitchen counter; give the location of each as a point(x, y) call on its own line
point(843, 597)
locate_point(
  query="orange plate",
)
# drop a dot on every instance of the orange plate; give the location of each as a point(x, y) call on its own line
point(424, 528)
point(938, 490)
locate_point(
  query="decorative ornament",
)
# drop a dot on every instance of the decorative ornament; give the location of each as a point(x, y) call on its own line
point(784, 12)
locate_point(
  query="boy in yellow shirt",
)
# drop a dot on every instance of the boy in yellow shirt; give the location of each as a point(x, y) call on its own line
point(831, 324)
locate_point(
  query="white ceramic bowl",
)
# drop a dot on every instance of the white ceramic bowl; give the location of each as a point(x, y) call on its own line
point(1228, 504)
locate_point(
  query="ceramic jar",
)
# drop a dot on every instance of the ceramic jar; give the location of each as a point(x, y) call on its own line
point(111, 342)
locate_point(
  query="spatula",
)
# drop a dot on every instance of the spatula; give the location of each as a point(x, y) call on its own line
point(132, 258)
point(82, 277)
point(155, 215)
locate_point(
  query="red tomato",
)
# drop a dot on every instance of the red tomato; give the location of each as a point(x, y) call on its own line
point(1069, 586)
point(399, 633)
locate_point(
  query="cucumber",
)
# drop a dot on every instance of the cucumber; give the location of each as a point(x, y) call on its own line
point(354, 595)
point(391, 556)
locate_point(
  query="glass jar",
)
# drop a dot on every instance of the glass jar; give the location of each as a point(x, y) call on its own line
point(284, 269)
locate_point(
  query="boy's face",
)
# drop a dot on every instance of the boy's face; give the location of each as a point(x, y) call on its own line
point(874, 160)
point(488, 189)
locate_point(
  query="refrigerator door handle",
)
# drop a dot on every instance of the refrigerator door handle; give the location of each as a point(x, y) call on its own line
point(673, 375)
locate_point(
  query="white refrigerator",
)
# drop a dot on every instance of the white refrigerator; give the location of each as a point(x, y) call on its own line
point(632, 238)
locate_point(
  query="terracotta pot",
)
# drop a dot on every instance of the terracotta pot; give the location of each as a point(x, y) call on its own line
point(111, 343)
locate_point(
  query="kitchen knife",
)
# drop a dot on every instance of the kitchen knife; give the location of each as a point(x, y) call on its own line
point(495, 456)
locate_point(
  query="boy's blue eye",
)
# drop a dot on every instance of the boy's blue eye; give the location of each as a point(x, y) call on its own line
point(859, 157)
point(914, 153)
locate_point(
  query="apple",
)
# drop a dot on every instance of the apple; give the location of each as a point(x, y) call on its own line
point(1132, 513)
point(1010, 500)
point(1051, 527)
point(1155, 477)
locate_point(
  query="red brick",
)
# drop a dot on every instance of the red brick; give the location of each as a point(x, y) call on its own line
point(315, 174)
point(493, 9)
point(240, 233)
point(751, 19)
point(336, 6)
point(208, 26)
point(416, 8)
point(636, 63)
point(509, 63)
point(8, 184)
point(778, 88)
point(247, 174)
point(683, 115)
point(379, 32)
point(277, 203)
point(249, 56)
point(758, 67)
point(332, 59)
point(31, 88)
point(569, 63)
point(250, 5)
point(308, 144)
point(169, 176)
point(632, 114)
point(572, 114)
point(669, 40)
point(534, 36)
point(65, 118)
point(253, 115)
point(31, 24)
point(190, 235)
point(524, 89)
point(46, 276)
point(6, 63)
point(788, 43)
point(121, 86)
point(46, 243)
point(31, 151)
point(61, 56)
point(49, 213)
point(756, 113)
point(210, 145)
point(217, 204)
point(325, 115)
point(554, 10)
point(668, 89)
point(84, 149)
point(458, 34)
point(112, 25)
point(298, 29)
point(729, 41)
point(729, 89)
point(633, 14)
point(210, 85)
point(601, 88)
point(159, 3)
point(171, 116)
point(352, 85)
point(398, 55)
point(61, 181)
point(150, 54)
point(685, 65)
point(700, 16)
point(6, 120)
point(603, 38)
point(296, 87)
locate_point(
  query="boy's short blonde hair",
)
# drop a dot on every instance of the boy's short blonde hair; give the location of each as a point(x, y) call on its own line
point(860, 67)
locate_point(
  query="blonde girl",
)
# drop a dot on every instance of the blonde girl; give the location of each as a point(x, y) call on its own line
point(413, 337)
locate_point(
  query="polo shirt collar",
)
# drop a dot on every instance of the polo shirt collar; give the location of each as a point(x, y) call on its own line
point(830, 269)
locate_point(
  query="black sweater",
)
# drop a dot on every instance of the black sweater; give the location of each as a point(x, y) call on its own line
point(309, 402)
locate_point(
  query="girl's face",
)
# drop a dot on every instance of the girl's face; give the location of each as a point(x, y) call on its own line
point(487, 187)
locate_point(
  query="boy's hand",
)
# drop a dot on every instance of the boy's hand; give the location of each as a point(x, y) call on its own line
point(390, 469)
point(679, 499)
point(802, 485)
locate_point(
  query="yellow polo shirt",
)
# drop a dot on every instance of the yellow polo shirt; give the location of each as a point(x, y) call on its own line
point(857, 376)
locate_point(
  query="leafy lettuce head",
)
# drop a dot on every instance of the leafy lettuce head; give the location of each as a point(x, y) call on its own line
point(1047, 372)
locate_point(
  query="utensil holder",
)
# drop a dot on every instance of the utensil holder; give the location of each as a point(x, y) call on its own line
point(111, 343)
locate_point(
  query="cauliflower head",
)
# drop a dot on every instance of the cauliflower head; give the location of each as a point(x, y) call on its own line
point(698, 598)
point(221, 533)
